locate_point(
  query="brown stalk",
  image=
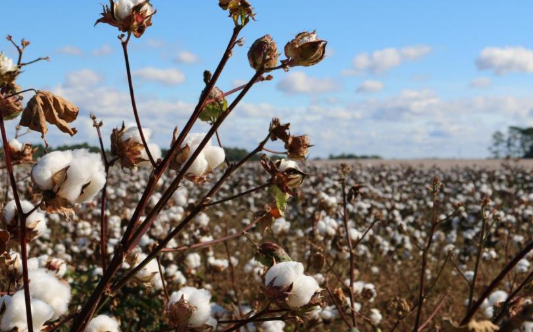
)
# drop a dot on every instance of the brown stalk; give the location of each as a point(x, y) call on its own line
point(478, 258)
point(350, 247)
point(22, 225)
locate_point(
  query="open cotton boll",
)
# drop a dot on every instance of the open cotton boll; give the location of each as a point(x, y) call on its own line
point(35, 222)
point(15, 144)
point(147, 273)
point(86, 173)
point(155, 151)
point(302, 291)
point(195, 139)
point(45, 286)
point(49, 165)
point(10, 210)
point(214, 156)
point(375, 316)
point(103, 323)
point(200, 166)
point(132, 133)
point(196, 297)
point(284, 274)
point(497, 297)
point(273, 326)
point(14, 318)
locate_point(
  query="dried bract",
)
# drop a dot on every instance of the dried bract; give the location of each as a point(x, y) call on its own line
point(132, 16)
point(305, 50)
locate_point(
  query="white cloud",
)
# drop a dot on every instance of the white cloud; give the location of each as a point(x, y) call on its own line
point(167, 76)
point(70, 50)
point(83, 78)
point(506, 60)
point(370, 86)
point(481, 83)
point(103, 51)
point(386, 59)
point(299, 82)
point(187, 57)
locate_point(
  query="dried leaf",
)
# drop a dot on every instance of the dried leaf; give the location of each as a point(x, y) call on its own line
point(472, 326)
point(46, 107)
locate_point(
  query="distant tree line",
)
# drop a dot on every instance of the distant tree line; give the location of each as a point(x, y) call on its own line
point(516, 143)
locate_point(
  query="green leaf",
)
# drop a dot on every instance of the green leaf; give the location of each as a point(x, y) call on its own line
point(280, 197)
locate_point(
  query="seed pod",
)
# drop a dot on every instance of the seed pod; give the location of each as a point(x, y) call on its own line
point(305, 50)
point(263, 54)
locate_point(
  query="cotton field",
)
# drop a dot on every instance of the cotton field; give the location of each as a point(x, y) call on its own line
point(228, 264)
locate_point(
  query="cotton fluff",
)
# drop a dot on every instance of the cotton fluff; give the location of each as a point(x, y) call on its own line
point(85, 173)
point(281, 226)
point(123, 8)
point(36, 221)
point(103, 323)
point(286, 273)
point(193, 260)
point(6, 64)
point(46, 287)
point(273, 326)
point(208, 159)
point(15, 315)
point(196, 297)
point(375, 316)
point(132, 133)
point(147, 273)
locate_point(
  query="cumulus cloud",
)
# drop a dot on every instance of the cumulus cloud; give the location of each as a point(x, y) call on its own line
point(103, 51)
point(299, 82)
point(506, 60)
point(370, 86)
point(187, 57)
point(70, 50)
point(166, 76)
point(481, 83)
point(84, 78)
point(386, 59)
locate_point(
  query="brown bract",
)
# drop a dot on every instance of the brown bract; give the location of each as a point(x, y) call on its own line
point(297, 146)
point(25, 155)
point(278, 294)
point(47, 107)
point(179, 313)
point(10, 107)
point(51, 202)
point(305, 50)
point(128, 151)
point(139, 19)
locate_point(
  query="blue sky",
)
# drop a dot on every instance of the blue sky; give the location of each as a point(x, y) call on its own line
point(402, 79)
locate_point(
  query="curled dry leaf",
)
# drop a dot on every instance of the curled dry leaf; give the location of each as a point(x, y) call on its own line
point(473, 326)
point(47, 107)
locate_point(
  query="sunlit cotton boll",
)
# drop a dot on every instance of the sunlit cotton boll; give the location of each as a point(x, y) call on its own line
point(375, 316)
point(273, 326)
point(208, 159)
point(84, 178)
point(522, 266)
point(193, 260)
point(123, 8)
point(35, 222)
point(280, 226)
point(103, 323)
point(6, 64)
point(286, 273)
point(14, 317)
point(46, 287)
point(198, 298)
point(147, 273)
point(132, 133)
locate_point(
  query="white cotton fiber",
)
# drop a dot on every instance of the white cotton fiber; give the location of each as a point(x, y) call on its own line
point(49, 165)
point(45, 286)
point(15, 314)
point(103, 323)
point(200, 299)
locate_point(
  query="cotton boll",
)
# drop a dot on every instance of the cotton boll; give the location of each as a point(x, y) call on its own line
point(84, 229)
point(284, 274)
point(15, 315)
point(375, 316)
point(147, 273)
point(44, 286)
point(199, 166)
point(15, 144)
point(132, 132)
point(273, 326)
point(280, 226)
point(196, 297)
point(155, 151)
point(302, 291)
point(202, 219)
point(193, 260)
point(35, 222)
point(214, 156)
point(103, 323)
point(86, 173)
point(497, 297)
point(49, 165)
